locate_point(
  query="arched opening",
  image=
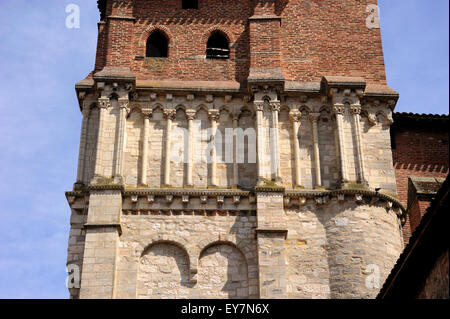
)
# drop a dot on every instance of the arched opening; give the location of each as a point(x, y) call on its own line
point(157, 45)
point(190, 4)
point(217, 46)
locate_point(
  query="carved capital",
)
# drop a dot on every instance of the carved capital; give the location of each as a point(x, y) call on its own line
point(82, 95)
point(259, 106)
point(148, 114)
point(275, 106)
point(214, 115)
point(124, 103)
point(295, 115)
point(339, 109)
point(190, 115)
point(314, 117)
point(170, 114)
point(104, 103)
point(355, 109)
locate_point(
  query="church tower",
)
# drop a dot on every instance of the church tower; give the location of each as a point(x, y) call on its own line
point(235, 149)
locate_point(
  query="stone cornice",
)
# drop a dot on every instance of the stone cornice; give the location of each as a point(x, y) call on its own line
point(309, 194)
point(189, 192)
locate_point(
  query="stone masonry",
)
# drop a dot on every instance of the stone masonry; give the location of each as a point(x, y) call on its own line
point(265, 175)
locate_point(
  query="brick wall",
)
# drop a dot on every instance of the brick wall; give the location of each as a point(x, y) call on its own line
point(314, 38)
point(420, 149)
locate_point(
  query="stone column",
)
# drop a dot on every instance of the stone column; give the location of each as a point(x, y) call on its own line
point(144, 159)
point(355, 109)
point(260, 136)
point(170, 116)
point(274, 146)
point(81, 180)
point(314, 117)
point(339, 111)
point(103, 103)
point(295, 116)
point(120, 141)
point(214, 116)
point(235, 152)
point(190, 115)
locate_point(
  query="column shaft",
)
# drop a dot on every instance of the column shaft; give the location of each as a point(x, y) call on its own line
point(120, 142)
point(190, 154)
point(235, 153)
point(275, 149)
point(260, 141)
point(170, 115)
point(295, 116)
point(214, 118)
point(356, 111)
point(144, 159)
point(339, 111)
point(81, 178)
point(104, 104)
point(314, 117)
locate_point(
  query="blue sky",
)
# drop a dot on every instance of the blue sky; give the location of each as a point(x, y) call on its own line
point(41, 60)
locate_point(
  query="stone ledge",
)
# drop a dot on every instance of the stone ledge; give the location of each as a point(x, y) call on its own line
point(190, 192)
point(101, 225)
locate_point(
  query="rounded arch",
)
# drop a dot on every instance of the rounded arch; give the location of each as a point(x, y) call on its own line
point(223, 271)
point(229, 36)
point(163, 241)
point(218, 45)
point(163, 261)
point(157, 44)
point(206, 245)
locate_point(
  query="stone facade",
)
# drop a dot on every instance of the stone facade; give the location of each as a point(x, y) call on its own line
point(206, 189)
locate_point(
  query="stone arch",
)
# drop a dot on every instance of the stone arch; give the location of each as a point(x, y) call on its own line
point(180, 107)
point(223, 271)
point(157, 106)
point(190, 250)
point(246, 111)
point(135, 107)
point(226, 108)
point(163, 271)
point(305, 109)
point(201, 107)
